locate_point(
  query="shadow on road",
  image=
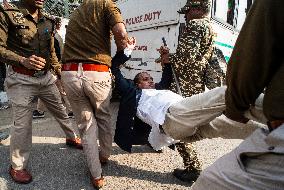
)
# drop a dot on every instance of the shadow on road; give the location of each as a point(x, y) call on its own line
point(54, 166)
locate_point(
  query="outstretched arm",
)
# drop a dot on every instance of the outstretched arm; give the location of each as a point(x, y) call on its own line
point(119, 59)
point(166, 78)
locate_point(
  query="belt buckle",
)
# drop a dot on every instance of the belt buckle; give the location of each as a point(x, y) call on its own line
point(39, 73)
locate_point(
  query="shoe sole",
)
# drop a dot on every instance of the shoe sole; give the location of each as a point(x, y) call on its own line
point(37, 117)
point(20, 182)
point(74, 146)
point(185, 180)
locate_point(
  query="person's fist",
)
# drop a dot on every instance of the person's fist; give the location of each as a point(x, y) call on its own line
point(33, 62)
point(131, 42)
point(163, 50)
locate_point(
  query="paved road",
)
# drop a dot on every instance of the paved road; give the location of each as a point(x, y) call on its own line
point(56, 167)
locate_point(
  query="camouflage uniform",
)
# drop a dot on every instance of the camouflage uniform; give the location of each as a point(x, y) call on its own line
point(216, 69)
point(191, 58)
point(193, 72)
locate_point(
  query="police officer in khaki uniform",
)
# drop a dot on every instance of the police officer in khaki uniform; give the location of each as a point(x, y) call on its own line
point(26, 45)
point(257, 63)
point(190, 63)
point(87, 78)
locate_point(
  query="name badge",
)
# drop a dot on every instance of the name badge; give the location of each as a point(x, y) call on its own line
point(22, 27)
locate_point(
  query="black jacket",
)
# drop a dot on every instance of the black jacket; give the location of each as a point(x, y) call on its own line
point(130, 130)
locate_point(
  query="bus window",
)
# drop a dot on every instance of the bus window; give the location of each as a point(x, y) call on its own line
point(243, 9)
point(220, 8)
point(225, 11)
point(249, 3)
point(241, 14)
point(231, 12)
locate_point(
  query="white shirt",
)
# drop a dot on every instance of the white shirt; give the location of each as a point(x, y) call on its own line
point(152, 108)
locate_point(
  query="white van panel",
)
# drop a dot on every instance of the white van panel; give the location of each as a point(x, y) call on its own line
point(225, 38)
point(166, 22)
point(142, 14)
point(144, 55)
point(148, 41)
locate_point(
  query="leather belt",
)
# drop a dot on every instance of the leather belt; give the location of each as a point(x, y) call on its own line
point(86, 67)
point(272, 125)
point(29, 72)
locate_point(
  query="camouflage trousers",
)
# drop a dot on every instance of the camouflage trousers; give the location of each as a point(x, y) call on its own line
point(189, 156)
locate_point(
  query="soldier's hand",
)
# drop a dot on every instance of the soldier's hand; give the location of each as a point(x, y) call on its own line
point(164, 55)
point(33, 62)
point(163, 50)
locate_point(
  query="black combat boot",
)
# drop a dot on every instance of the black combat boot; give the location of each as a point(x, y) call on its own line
point(186, 175)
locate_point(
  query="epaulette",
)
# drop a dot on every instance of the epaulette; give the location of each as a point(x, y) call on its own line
point(5, 6)
point(48, 16)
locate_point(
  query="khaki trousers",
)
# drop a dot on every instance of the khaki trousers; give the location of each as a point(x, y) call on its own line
point(200, 116)
point(89, 93)
point(63, 96)
point(22, 91)
point(66, 103)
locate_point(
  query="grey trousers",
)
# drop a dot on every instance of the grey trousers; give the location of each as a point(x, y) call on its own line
point(256, 164)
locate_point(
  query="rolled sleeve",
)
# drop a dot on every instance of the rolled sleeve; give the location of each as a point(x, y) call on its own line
point(54, 60)
point(113, 14)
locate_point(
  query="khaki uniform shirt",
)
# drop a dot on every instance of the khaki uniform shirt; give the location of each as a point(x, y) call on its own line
point(21, 36)
point(193, 52)
point(257, 62)
point(89, 32)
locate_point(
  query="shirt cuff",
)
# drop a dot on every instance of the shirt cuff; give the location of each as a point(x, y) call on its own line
point(127, 52)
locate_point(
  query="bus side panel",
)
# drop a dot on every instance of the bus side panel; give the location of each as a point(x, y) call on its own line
point(225, 38)
point(142, 14)
point(145, 53)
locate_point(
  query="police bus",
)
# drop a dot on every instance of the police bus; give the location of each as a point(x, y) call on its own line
point(150, 20)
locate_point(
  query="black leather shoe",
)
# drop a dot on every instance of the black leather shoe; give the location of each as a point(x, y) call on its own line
point(189, 176)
